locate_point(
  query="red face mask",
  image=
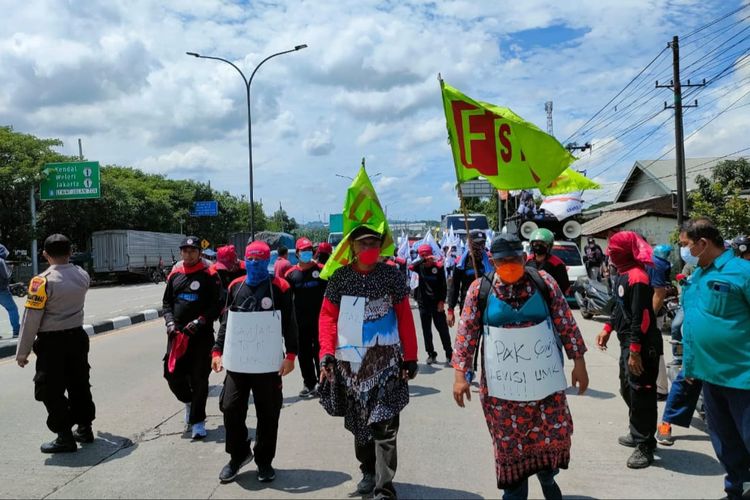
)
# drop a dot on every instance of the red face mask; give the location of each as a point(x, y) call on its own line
point(369, 257)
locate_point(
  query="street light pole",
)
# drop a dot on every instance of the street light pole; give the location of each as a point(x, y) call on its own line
point(248, 82)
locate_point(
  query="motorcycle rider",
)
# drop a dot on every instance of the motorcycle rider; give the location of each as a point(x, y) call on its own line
point(741, 247)
point(593, 257)
point(541, 257)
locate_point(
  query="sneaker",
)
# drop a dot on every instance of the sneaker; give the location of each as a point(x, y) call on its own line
point(367, 484)
point(664, 434)
point(627, 440)
point(84, 434)
point(64, 443)
point(199, 430)
point(229, 471)
point(641, 458)
point(307, 393)
point(266, 474)
point(432, 358)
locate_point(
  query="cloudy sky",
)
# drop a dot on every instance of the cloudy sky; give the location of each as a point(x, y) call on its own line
point(115, 74)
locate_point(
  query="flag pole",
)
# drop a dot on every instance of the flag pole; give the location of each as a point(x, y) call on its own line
point(468, 232)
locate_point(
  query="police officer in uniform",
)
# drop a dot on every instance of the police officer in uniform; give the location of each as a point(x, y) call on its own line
point(308, 289)
point(258, 291)
point(191, 305)
point(53, 324)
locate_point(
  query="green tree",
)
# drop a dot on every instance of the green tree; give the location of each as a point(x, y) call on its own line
point(720, 197)
point(280, 221)
point(22, 159)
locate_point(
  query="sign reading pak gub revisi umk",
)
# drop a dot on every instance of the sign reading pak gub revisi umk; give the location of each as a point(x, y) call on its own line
point(70, 181)
point(495, 143)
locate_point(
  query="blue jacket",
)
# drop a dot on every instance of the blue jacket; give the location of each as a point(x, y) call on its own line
point(716, 331)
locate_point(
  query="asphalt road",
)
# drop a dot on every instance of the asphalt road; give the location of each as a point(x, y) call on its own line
point(104, 303)
point(444, 451)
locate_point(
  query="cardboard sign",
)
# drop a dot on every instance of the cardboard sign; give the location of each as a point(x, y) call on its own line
point(523, 364)
point(253, 342)
point(350, 324)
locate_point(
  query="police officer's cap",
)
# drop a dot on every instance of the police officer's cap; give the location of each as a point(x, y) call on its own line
point(506, 245)
point(191, 242)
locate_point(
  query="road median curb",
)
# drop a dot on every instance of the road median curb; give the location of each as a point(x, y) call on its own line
point(8, 346)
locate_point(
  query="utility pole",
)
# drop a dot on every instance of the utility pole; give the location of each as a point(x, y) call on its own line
point(679, 137)
point(80, 150)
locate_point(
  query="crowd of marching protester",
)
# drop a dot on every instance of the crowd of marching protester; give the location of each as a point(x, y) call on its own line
point(353, 335)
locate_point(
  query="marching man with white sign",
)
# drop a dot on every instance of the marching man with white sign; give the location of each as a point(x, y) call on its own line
point(257, 327)
point(524, 324)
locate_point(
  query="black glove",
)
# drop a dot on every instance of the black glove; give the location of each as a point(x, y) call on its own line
point(171, 328)
point(328, 362)
point(411, 367)
point(192, 327)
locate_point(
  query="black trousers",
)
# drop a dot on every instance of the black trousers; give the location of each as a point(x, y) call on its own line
point(308, 351)
point(267, 396)
point(639, 394)
point(380, 456)
point(62, 366)
point(189, 381)
point(428, 313)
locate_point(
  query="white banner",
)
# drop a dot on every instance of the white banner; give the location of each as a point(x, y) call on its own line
point(563, 206)
point(253, 342)
point(350, 324)
point(523, 364)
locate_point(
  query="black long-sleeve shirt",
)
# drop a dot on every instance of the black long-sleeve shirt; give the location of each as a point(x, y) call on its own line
point(270, 295)
point(555, 267)
point(191, 292)
point(633, 315)
point(308, 289)
point(432, 287)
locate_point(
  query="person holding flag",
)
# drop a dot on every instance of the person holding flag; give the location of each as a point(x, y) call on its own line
point(368, 343)
point(528, 419)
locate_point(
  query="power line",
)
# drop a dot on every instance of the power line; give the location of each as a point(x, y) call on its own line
point(718, 20)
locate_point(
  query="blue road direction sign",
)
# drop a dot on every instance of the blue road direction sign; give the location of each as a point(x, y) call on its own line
point(70, 181)
point(205, 208)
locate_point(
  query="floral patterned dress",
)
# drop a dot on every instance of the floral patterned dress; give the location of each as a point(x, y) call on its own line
point(527, 436)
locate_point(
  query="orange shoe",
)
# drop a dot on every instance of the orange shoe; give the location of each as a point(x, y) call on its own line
point(664, 434)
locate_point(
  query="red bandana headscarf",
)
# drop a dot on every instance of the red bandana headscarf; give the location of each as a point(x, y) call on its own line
point(627, 250)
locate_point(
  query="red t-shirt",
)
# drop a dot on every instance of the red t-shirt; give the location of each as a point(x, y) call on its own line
point(281, 266)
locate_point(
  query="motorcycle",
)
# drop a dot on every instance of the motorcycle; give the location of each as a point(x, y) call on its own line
point(18, 289)
point(593, 297)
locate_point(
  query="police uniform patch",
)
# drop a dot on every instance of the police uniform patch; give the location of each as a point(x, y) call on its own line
point(316, 274)
point(37, 297)
point(195, 285)
point(266, 303)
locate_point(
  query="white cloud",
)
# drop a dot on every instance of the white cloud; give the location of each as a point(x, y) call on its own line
point(194, 160)
point(318, 143)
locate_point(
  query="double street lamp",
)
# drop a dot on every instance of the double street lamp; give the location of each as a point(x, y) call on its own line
point(248, 82)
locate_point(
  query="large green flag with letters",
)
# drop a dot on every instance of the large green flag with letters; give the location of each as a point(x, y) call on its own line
point(495, 143)
point(361, 208)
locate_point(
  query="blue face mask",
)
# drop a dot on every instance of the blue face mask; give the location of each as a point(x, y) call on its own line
point(688, 257)
point(257, 271)
point(306, 256)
